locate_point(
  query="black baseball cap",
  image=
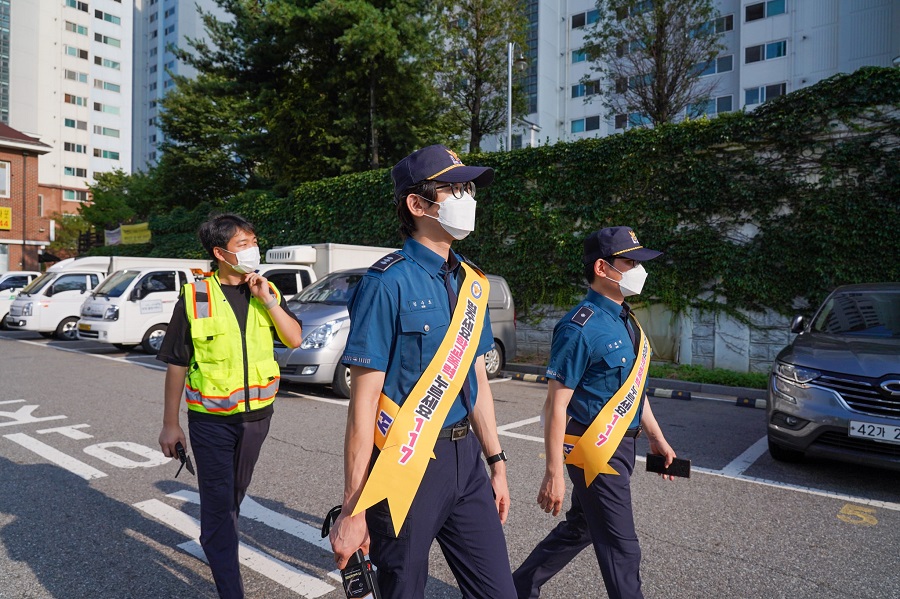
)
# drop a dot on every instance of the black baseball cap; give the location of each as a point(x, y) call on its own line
point(616, 242)
point(437, 163)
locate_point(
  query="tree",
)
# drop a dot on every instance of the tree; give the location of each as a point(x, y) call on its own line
point(650, 54)
point(69, 227)
point(473, 73)
point(297, 90)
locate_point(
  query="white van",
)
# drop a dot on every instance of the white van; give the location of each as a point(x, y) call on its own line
point(10, 284)
point(133, 306)
point(51, 304)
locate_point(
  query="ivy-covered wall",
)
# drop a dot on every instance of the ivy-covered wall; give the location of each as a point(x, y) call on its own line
point(768, 209)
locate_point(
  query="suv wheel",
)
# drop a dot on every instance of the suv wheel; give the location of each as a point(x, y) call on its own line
point(783, 454)
point(493, 361)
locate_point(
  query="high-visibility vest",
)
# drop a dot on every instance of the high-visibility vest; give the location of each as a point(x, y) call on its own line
point(231, 370)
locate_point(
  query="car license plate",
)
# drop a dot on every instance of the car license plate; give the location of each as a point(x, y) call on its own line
point(84, 327)
point(877, 432)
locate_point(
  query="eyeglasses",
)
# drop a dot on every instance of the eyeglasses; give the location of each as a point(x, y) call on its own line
point(458, 189)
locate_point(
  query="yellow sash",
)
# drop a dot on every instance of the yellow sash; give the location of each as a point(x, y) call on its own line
point(410, 433)
point(593, 450)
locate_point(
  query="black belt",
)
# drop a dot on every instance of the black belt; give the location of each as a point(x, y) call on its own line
point(455, 432)
point(634, 432)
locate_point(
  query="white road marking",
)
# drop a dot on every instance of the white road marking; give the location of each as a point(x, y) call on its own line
point(499, 380)
point(339, 402)
point(84, 353)
point(264, 515)
point(54, 455)
point(739, 464)
point(270, 567)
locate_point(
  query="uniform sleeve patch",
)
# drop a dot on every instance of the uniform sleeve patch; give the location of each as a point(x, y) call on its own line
point(582, 316)
point(386, 262)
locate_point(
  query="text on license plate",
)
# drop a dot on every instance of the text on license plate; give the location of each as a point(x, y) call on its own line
point(878, 432)
point(84, 327)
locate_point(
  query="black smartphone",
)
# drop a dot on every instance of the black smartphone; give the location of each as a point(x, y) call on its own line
point(678, 467)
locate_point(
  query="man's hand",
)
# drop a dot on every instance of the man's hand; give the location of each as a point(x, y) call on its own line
point(552, 493)
point(170, 436)
point(259, 287)
point(348, 533)
point(501, 490)
point(661, 447)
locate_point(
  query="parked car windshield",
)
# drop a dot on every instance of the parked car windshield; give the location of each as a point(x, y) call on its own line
point(334, 289)
point(116, 284)
point(861, 314)
point(39, 283)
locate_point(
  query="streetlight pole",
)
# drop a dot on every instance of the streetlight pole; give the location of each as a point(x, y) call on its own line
point(509, 96)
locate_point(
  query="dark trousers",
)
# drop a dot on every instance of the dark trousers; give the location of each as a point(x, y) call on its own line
point(600, 514)
point(455, 505)
point(226, 455)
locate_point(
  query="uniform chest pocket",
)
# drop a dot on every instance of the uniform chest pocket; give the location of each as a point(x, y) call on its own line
point(421, 333)
point(205, 333)
point(618, 365)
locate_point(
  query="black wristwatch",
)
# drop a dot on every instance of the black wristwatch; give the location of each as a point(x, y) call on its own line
point(499, 457)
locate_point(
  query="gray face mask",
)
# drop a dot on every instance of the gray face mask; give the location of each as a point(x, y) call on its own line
point(456, 215)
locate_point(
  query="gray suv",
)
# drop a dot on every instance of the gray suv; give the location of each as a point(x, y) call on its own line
point(835, 391)
point(322, 307)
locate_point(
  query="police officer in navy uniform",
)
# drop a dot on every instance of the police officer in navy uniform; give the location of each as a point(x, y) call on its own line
point(593, 351)
point(400, 314)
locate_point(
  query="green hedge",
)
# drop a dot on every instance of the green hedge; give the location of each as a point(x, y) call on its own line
point(766, 209)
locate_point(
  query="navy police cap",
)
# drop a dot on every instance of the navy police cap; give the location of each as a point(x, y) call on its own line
point(437, 163)
point(616, 242)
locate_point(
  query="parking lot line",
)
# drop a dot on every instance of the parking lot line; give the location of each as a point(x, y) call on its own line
point(739, 464)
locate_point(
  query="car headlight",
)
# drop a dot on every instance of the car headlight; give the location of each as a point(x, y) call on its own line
point(795, 374)
point(112, 313)
point(322, 335)
point(26, 309)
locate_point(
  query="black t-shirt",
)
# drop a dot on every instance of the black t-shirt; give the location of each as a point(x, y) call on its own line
point(178, 348)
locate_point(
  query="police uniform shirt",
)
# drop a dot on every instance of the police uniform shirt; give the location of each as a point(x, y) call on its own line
point(399, 317)
point(592, 353)
point(177, 347)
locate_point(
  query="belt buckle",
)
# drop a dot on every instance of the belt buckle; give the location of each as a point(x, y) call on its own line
point(459, 431)
point(638, 431)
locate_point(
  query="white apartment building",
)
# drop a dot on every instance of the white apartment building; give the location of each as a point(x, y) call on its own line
point(69, 84)
point(159, 26)
point(772, 47)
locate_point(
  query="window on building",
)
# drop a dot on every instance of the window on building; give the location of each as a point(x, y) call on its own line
point(108, 131)
point(74, 195)
point(113, 87)
point(74, 171)
point(722, 64)
point(76, 148)
point(592, 123)
point(105, 62)
point(152, 68)
point(765, 52)
point(711, 107)
point(724, 24)
point(82, 6)
point(153, 51)
point(761, 10)
point(75, 76)
point(758, 95)
point(4, 179)
point(153, 17)
point(170, 65)
point(152, 86)
point(98, 153)
point(586, 89)
point(636, 119)
point(169, 30)
point(577, 126)
point(169, 12)
point(621, 121)
point(76, 28)
point(76, 100)
point(40, 205)
point(585, 18)
point(77, 52)
point(105, 16)
point(106, 108)
point(75, 124)
point(154, 34)
point(105, 39)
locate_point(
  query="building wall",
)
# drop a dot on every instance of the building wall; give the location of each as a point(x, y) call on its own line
point(93, 134)
point(822, 38)
point(33, 228)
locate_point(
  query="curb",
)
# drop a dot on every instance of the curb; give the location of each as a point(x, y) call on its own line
point(749, 402)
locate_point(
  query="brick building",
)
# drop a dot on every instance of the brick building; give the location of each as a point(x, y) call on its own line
point(25, 228)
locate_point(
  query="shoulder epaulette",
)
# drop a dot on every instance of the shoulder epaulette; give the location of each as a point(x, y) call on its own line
point(582, 316)
point(387, 262)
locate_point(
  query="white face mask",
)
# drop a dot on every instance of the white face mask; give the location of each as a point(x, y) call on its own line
point(247, 259)
point(457, 216)
point(632, 282)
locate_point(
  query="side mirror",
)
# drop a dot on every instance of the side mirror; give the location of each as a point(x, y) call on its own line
point(798, 324)
point(137, 294)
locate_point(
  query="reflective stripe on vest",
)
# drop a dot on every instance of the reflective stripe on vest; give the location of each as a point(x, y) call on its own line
point(216, 381)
